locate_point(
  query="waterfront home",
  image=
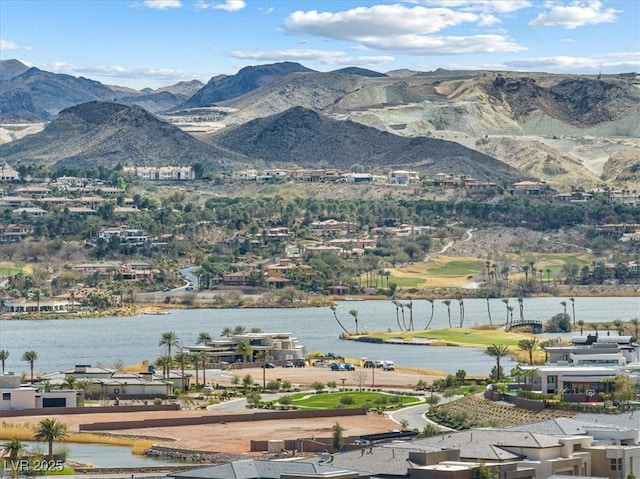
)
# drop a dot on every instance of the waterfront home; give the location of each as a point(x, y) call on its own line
point(32, 397)
point(280, 346)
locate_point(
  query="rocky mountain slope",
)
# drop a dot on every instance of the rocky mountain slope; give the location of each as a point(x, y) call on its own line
point(98, 133)
point(305, 138)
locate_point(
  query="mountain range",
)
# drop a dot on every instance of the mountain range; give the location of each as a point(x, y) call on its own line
point(565, 129)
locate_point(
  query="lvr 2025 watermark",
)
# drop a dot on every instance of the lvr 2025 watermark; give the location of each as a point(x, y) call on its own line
point(37, 465)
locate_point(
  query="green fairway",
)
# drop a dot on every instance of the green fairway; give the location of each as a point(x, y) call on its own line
point(355, 399)
point(457, 268)
point(478, 338)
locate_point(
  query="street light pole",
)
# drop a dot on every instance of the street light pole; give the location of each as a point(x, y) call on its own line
point(373, 376)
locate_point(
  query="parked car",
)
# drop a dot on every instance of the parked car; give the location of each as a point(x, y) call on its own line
point(349, 367)
point(166, 290)
point(379, 363)
point(319, 363)
point(369, 364)
point(269, 365)
point(189, 288)
point(287, 364)
point(300, 363)
point(388, 366)
point(337, 367)
point(208, 388)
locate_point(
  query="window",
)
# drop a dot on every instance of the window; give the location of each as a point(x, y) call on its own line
point(616, 464)
point(6, 396)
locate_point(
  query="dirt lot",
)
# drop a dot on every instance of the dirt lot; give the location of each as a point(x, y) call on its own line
point(235, 437)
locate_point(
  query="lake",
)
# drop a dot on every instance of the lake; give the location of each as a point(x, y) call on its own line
point(62, 343)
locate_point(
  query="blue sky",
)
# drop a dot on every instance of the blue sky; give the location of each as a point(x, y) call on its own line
point(152, 43)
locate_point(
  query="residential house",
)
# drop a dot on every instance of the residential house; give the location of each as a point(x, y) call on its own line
point(33, 191)
point(15, 201)
point(573, 197)
point(125, 234)
point(32, 305)
point(403, 177)
point(443, 180)
point(30, 211)
point(162, 173)
point(14, 232)
point(280, 346)
point(529, 188)
point(8, 173)
point(33, 397)
point(332, 227)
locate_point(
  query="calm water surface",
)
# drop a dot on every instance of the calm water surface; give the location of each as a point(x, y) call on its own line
point(62, 343)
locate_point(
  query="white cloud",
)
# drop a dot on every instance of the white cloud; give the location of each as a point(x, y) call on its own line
point(115, 71)
point(576, 15)
point(568, 40)
point(327, 57)
point(162, 4)
point(500, 6)
point(230, 5)
point(444, 45)
point(379, 21)
point(6, 45)
point(616, 62)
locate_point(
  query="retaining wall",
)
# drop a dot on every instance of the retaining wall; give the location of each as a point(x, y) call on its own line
point(46, 411)
point(219, 418)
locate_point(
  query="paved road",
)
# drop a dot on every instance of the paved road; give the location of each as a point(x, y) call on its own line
point(415, 415)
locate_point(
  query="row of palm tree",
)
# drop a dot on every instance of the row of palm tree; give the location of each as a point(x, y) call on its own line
point(29, 356)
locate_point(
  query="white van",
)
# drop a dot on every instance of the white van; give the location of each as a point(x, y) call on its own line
point(388, 366)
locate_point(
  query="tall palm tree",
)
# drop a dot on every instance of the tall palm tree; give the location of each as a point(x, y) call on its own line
point(239, 329)
point(506, 303)
point(404, 324)
point(69, 382)
point(354, 313)
point(529, 345)
point(30, 357)
point(489, 311)
point(335, 316)
point(521, 305)
point(4, 355)
point(263, 357)
point(49, 430)
point(409, 306)
point(448, 304)
point(245, 349)
point(182, 359)
point(573, 309)
point(226, 332)
point(461, 303)
point(564, 306)
point(397, 305)
point(510, 309)
point(195, 360)
point(202, 357)
point(431, 318)
point(164, 362)
point(619, 325)
point(169, 339)
point(203, 338)
point(580, 323)
point(497, 351)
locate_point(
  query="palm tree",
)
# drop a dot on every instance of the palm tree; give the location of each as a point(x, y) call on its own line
point(195, 360)
point(521, 305)
point(354, 313)
point(202, 357)
point(4, 355)
point(245, 349)
point(529, 345)
point(49, 430)
point(619, 325)
point(203, 338)
point(581, 324)
point(164, 362)
point(30, 357)
point(431, 318)
point(182, 359)
point(573, 309)
point(333, 308)
point(448, 304)
point(497, 351)
point(489, 311)
point(564, 305)
point(397, 305)
point(13, 447)
point(263, 357)
point(461, 303)
point(510, 309)
point(404, 324)
point(409, 306)
point(168, 339)
point(506, 303)
point(239, 330)
point(226, 332)
point(70, 382)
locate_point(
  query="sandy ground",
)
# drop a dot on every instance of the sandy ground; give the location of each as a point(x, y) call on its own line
point(235, 437)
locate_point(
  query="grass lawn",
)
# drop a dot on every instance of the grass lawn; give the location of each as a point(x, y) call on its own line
point(478, 338)
point(439, 272)
point(359, 398)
